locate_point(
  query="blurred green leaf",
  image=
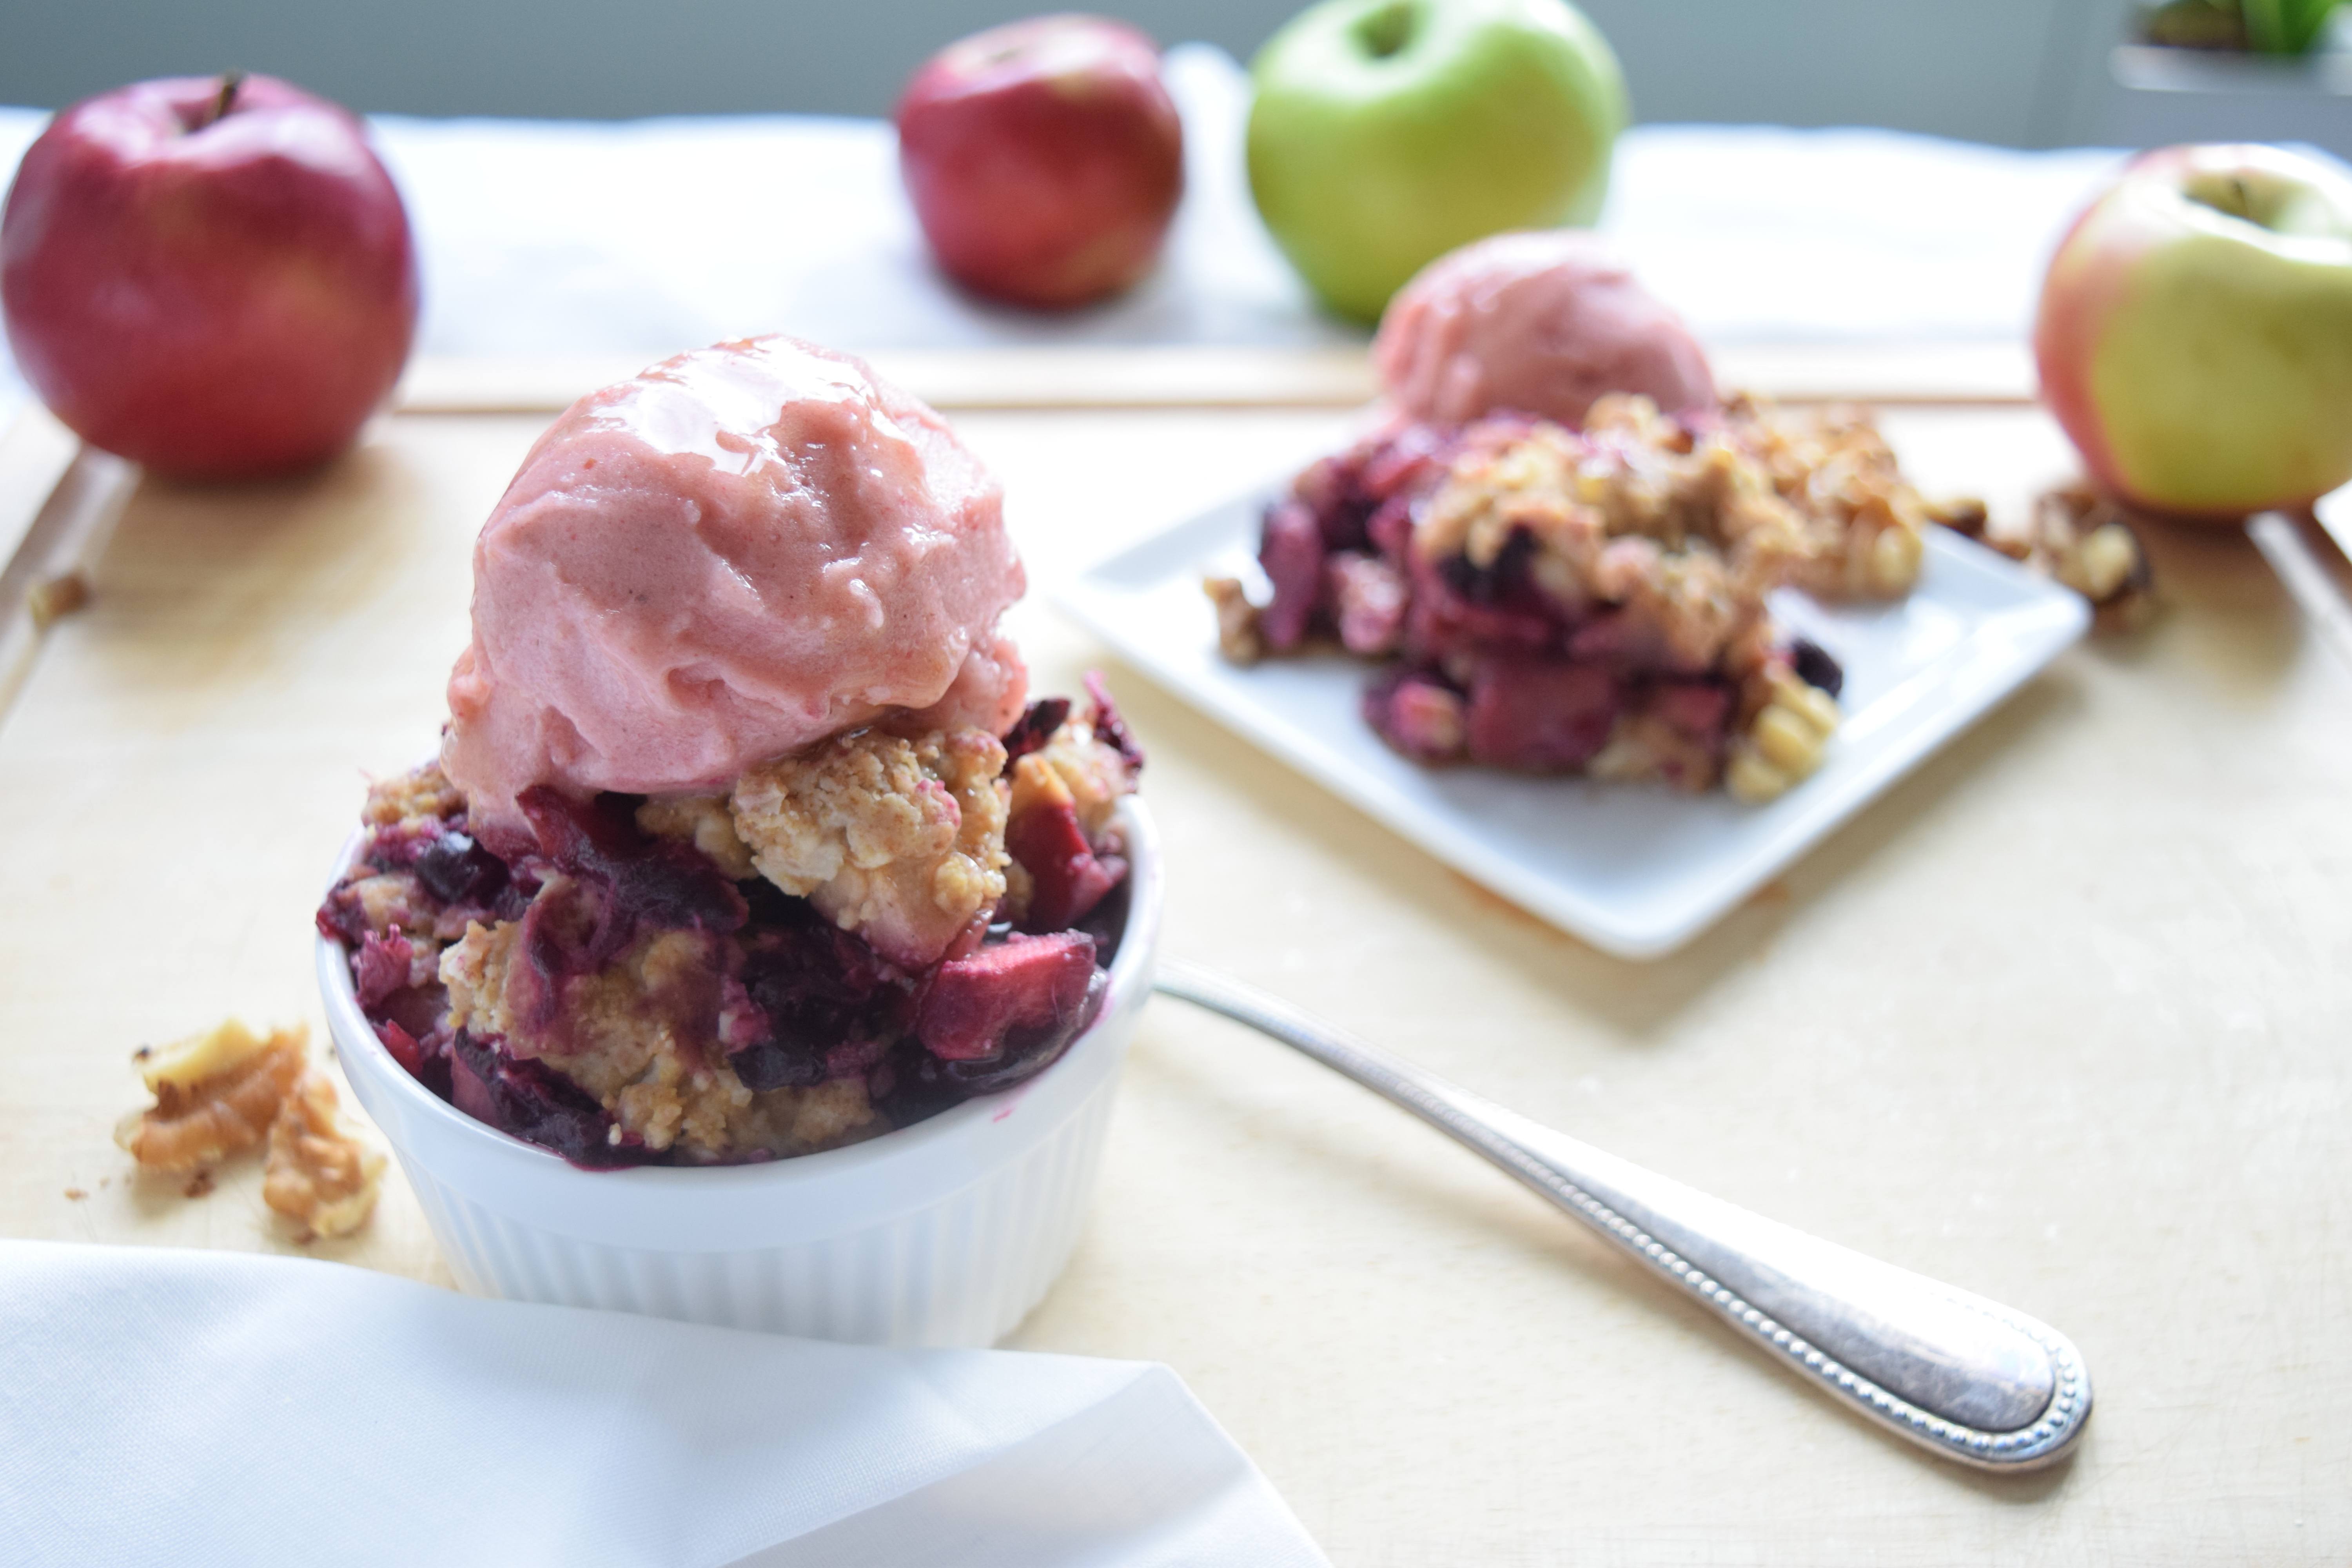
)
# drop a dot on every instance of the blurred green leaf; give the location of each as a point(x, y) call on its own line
point(2284, 26)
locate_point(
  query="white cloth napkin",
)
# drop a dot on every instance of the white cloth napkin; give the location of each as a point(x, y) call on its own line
point(548, 238)
point(185, 1407)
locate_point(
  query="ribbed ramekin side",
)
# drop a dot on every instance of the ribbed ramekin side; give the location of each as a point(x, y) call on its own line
point(963, 1271)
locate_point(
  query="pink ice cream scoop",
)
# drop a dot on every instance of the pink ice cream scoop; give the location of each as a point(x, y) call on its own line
point(1544, 322)
point(740, 551)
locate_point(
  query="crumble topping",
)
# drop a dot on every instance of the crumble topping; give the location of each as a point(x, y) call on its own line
point(901, 841)
point(704, 821)
point(1783, 742)
point(644, 1036)
point(424, 794)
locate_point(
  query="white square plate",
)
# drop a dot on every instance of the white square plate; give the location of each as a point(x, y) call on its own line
point(1636, 870)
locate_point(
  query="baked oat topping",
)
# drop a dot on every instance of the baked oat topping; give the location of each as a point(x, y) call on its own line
point(704, 821)
point(646, 1037)
point(424, 794)
point(901, 841)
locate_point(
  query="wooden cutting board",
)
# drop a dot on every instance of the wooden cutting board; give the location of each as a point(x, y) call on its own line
point(2064, 1018)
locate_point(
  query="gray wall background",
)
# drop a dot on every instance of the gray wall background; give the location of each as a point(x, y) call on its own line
point(2024, 73)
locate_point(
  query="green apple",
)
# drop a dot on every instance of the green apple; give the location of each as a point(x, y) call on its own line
point(2195, 333)
point(1386, 132)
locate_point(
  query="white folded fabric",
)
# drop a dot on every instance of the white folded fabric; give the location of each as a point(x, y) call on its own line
point(543, 237)
point(185, 1407)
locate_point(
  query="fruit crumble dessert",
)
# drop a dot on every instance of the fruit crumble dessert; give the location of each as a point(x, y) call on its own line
point(745, 841)
point(853, 938)
point(1553, 599)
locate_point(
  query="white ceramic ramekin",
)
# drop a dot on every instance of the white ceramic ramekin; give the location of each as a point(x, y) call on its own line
point(945, 1232)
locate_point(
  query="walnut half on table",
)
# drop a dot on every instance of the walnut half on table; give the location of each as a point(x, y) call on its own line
point(2076, 537)
point(228, 1092)
point(317, 1175)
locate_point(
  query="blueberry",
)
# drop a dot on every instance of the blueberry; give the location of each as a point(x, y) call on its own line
point(1817, 666)
point(456, 871)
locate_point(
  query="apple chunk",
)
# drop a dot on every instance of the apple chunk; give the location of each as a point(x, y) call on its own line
point(1023, 983)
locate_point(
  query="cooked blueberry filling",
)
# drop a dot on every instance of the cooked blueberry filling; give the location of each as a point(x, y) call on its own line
point(1036, 727)
point(456, 871)
point(528, 1100)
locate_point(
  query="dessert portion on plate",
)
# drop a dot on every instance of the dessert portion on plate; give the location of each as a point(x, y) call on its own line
point(1579, 585)
point(745, 840)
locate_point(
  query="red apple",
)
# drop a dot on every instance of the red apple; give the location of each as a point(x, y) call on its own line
point(1045, 158)
point(211, 276)
point(2195, 334)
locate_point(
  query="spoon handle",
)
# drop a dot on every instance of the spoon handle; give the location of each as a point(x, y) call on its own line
point(1959, 1375)
point(2297, 565)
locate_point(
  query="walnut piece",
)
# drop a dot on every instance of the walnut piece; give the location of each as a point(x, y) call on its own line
point(216, 1095)
point(319, 1174)
point(229, 1091)
point(2078, 537)
point(2086, 542)
point(1239, 638)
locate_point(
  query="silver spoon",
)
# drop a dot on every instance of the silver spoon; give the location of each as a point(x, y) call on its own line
point(2297, 565)
point(1959, 1375)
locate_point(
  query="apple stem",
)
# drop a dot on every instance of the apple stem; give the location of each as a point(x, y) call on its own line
point(1387, 31)
point(229, 82)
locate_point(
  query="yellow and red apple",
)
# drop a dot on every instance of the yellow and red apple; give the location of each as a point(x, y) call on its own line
point(2195, 331)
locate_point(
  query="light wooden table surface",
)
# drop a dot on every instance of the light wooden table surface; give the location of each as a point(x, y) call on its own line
point(2063, 1018)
